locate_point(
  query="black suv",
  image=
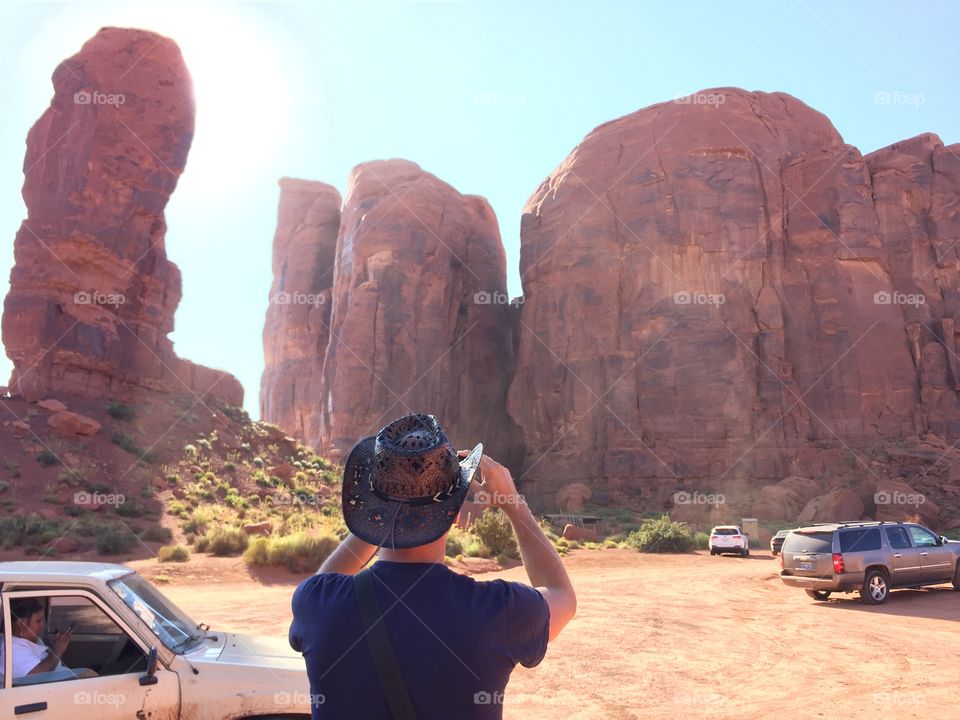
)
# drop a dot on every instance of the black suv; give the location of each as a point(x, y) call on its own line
point(869, 557)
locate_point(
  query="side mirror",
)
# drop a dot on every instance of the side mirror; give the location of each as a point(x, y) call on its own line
point(942, 540)
point(150, 678)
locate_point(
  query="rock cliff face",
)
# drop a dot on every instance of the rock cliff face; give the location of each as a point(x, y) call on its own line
point(417, 318)
point(726, 310)
point(295, 333)
point(92, 294)
point(719, 291)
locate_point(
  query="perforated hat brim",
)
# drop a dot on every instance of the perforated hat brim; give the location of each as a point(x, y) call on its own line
point(393, 524)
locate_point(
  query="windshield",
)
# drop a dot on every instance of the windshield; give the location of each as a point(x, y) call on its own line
point(175, 630)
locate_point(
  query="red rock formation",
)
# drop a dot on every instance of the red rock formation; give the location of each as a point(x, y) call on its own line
point(295, 332)
point(92, 293)
point(715, 293)
point(418, 317)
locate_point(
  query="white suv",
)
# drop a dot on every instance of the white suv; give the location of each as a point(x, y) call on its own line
point(148, 659)
point(729, 539)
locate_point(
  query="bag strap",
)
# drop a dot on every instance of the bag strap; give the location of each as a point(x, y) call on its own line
point(383, 658)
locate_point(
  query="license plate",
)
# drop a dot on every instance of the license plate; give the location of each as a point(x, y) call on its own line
point(805, 566)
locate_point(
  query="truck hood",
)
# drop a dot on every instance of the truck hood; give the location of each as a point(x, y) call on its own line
point(251, 650)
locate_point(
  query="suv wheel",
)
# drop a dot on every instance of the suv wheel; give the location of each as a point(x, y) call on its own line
point(875, 588)
point(956, 577)
point(818, 594)
point(744, 552)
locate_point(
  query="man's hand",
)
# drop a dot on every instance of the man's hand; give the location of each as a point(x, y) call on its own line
point(497, 487)
point(540, 558)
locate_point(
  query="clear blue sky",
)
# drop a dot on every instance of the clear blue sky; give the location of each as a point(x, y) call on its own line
point(489, 96)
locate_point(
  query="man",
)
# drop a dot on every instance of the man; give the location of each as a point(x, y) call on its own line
point(409, 638)
point(30, 655)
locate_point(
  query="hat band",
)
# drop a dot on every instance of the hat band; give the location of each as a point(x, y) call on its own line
point(421, 500)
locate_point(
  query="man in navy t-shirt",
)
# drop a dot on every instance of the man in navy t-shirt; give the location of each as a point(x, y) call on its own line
point(451, 641)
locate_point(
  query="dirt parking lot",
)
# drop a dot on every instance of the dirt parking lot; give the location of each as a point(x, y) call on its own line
point(684, 636)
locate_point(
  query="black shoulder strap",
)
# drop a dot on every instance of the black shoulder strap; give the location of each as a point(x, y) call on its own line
point(387, 669)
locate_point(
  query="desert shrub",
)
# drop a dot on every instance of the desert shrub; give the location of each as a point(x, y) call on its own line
point(173, 553)
point(454, 546)
point(299, 552)
point(4, 485)
point(113, 540)
point(661, 535)
point(198, 521)
point(47, 458)
point(120, 411)
point(130, 508)
point(494, 530)
point(189, 451)
point(701, 541)
point(224, 542)
point(129, 444)
point(156, 533)
point(229, 466)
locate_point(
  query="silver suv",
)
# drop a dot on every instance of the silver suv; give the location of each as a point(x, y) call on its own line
point(869, 557)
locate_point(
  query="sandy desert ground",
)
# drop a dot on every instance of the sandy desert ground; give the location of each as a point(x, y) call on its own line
point(680, 636)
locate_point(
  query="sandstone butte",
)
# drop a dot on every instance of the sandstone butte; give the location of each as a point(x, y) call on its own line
point(92, 293)
point(719, 294)
point(394, 306)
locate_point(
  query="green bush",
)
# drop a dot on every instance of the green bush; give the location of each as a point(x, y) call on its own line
point(494, 530)
point(299, 552)
point(701, 541)
point(454, 546)
point(224, 542)
point(173, 553)
point(156, 533)
point(661, 535)
point(120, 411)
point(129, 444)
point(47, 458)
point(4, 485)
point(198, 521)
point(130, 508)
point(112, 540)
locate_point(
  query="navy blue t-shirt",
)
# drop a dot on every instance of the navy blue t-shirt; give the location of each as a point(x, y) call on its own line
point(456, 640)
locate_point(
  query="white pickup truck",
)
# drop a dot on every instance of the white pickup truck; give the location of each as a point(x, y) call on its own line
point(151, 661)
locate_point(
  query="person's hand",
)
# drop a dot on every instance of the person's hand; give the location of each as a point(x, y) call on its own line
point(61, 641)
point(497, 487)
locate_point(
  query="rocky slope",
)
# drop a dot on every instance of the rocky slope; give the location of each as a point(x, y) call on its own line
point(93, 294)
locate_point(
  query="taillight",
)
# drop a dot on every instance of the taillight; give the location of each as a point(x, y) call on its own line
point(837, 563)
